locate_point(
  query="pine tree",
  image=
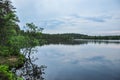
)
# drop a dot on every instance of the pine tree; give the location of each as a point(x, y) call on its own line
point(8, 21)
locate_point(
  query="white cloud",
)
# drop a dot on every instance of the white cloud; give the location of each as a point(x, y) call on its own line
point(80, 16)
point(82, 25)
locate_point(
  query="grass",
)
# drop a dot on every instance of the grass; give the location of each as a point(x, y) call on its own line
point(11, 61)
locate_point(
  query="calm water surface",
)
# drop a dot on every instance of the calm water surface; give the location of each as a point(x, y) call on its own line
point(81, 61)
point(91, 61)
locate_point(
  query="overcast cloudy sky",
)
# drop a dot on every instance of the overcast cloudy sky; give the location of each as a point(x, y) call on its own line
point(93, 17)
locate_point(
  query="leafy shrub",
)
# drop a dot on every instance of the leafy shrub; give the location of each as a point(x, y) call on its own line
point(5, 74)
point(4, 51)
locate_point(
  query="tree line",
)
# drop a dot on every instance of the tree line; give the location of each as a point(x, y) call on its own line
point(69, 37)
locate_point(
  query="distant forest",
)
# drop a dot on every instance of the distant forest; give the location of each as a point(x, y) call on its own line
point(70, 36)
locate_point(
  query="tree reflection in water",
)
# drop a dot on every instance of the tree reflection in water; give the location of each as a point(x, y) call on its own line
point(30, 71)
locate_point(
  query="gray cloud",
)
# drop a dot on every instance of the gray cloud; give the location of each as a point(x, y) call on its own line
point(56, 16)
point(94, 18)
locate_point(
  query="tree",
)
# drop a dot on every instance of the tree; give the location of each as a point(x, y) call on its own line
point(33, 33)
point(8, 28)
point(8, 21)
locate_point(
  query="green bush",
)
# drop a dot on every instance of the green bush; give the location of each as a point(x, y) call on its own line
point(20, 61)
point(5, 74)
point(4, 51)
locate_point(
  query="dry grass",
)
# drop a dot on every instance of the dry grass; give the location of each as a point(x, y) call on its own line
point(8, 60)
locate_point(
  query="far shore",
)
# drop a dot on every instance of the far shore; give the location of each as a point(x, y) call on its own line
point(102, 40)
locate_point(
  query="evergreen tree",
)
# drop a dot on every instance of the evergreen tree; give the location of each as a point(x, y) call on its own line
point(8, 21)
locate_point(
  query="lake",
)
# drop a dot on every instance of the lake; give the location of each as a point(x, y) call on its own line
point(83, 61)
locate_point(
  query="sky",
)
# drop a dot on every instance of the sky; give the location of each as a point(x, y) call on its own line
point(92, 17)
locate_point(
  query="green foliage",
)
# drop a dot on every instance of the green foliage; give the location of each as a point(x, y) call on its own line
point(8, 21)
point(17, 41)
point(31, 27)
point(12, 39)
point(56, 38)
point(5, 74)
point(4, 51)
point(61, 38)
point(70, 38)
point(21, 61)
point(32, 34)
